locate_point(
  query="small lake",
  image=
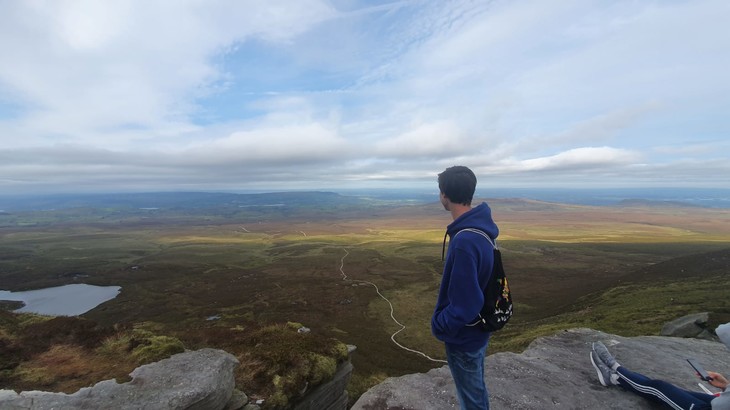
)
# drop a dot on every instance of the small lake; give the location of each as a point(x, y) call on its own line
point(68, 300)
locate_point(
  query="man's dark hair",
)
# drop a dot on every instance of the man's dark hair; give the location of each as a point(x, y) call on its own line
point(458, 184)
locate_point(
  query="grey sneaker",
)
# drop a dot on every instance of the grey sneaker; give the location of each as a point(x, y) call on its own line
point(604, 372)
point(605, 356)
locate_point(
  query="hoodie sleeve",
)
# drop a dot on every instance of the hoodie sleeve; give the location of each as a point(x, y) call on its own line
point(465, 295)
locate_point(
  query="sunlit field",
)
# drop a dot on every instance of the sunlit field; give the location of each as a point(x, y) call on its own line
point(623, 270)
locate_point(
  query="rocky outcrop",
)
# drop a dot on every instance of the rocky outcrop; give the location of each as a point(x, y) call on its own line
point(694, 326)
point(200, 380)
point(555, 372)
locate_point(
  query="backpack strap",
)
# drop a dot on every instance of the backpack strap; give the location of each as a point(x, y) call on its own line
point(480, 232)
point(494, 245)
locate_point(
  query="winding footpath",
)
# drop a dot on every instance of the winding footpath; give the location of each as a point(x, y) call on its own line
point(377, 290)
point(392, 315)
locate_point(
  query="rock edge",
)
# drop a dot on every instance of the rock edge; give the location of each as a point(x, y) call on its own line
point(555, 372)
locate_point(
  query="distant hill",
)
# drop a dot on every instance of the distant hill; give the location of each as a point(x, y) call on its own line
point(666, 197)
point(176, 200)
point(655, 203)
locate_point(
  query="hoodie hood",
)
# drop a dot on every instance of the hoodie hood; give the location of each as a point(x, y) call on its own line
point(479, 217)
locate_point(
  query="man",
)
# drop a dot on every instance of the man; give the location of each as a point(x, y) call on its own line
point(468, 265)
point(611, 373)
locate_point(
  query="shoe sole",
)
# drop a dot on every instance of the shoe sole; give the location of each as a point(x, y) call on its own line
point(598, 371)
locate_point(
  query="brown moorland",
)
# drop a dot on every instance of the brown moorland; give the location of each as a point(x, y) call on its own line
point(210, 280)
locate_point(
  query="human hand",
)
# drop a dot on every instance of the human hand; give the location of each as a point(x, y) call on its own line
point(718, 380)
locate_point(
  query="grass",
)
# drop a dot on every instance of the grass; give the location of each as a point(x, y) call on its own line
point(616, 270)
point(630, 310)
point(65, 354)
point(57, 354)
point(155, 348)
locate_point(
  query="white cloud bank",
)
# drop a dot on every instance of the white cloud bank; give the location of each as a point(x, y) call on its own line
point(139, 95)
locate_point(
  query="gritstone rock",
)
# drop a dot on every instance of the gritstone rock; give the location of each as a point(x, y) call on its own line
point(199, 380)
point(555, 373)
point(694, 325)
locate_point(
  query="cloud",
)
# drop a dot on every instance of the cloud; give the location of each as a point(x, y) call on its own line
point(287, 146)
point(87, 68)
point(430, 140)
point(606, 126)
point(314, 92)
point(692, 149)
point(574, 160)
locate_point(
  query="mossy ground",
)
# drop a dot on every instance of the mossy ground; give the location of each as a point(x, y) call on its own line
point(617, 270)
point(66, 353)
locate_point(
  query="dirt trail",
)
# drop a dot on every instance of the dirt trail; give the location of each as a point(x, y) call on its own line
point(392, 314)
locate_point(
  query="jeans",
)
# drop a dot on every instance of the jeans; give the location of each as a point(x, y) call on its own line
point(467, 369)
point(663, 392)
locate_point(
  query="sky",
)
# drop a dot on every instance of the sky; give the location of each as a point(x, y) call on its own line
point(141, 95)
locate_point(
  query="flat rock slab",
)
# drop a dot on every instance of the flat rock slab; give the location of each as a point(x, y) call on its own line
point(196, 380)
point(556, 372)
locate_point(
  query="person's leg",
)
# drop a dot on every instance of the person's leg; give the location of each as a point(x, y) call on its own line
point(663, 392)
point(467, 369)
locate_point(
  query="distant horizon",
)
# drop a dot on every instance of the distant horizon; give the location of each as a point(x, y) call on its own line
point(705, 197)
point(337, 189)
point(432, 187)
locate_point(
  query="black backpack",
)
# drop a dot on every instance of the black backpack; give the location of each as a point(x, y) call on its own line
point(497, 309)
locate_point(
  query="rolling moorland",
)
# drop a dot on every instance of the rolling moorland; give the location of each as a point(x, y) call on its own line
point(233, 271)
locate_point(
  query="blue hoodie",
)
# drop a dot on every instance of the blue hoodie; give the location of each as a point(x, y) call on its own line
point(468, 265)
